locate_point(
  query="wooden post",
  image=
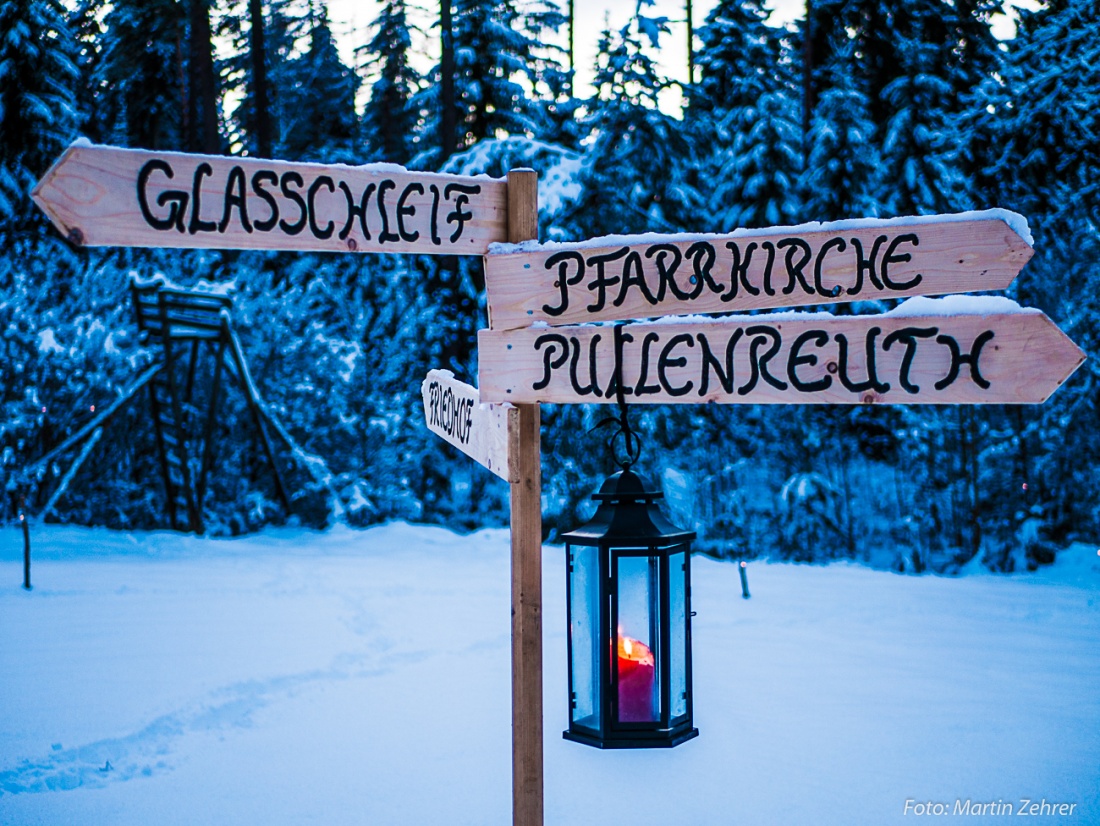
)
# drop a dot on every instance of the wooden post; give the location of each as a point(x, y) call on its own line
point(524, 447)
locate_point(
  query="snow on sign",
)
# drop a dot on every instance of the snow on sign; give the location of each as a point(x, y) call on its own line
point(621, 277)
point(453, 410)
point(107, 196)
point(962, 350)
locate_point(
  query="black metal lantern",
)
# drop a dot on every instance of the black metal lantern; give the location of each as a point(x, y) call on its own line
point(629, 607)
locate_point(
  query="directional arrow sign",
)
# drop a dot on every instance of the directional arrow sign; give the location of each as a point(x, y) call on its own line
point(106, 196)
point(984, 351)
point(657, 275)
point(454, 411)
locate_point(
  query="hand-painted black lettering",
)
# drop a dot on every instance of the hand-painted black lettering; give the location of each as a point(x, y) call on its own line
point(769, 248)
point(665, 361)
point(311, 201)
point(267, 224)
point(447, 410)
point(385, 236)
point(236, 195)
point(549, 363)
point(890, 258)
point(433, 404)
point(177, 198)
point(561, 261)
point(666, 269)
point(866, 264)
point(197, 224)
point(871, 382)
point(702, 258)
point(467, 420)
point(602, 280)
point(622, 338)
point(403, 210)
point(908, 336)
point(459, 216)
point(433, 225)
point(593, 386)
point(739, 270)
point(641, 388)
point(795, 358)
point(958, 359)
point(709, 362)
point(833, 243)
point(633, 276)
point(284, 185)
point(354, 211)
point(758, 365)
point(796, 246)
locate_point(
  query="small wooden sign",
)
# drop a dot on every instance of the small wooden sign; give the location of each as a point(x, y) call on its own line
point(974, 358)
point(453, 410)
point(107, 196)
point(630, 278)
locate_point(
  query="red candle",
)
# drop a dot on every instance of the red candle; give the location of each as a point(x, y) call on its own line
point(635, 681)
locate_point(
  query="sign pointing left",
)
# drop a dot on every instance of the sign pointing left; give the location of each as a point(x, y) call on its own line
point(108, 196)
point(454, 412)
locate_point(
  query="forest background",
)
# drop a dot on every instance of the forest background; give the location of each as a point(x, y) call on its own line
point(862, 108)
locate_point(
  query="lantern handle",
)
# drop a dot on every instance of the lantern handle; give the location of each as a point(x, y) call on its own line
point(632, 443)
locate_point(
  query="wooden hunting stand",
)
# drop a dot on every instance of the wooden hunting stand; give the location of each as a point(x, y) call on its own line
point(180, 327)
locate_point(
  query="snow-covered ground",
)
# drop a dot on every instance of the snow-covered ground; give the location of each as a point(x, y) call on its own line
point(363, 678)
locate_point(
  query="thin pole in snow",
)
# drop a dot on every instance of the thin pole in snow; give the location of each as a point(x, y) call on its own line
point(26, 545)
point(743, 567)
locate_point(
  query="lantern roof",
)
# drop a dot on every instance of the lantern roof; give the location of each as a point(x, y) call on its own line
point(628, 515)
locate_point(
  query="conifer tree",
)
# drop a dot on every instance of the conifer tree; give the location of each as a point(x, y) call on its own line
point(919, 147)
point(38, 116)
point(389, 118)
point(632, 179)
point(842, 168)
point(319, 121)
point(141, 81)
point(502, 70)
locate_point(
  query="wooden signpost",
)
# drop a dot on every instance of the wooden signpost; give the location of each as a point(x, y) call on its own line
point(611, 278)
point(103, 195)
point(972, 358)
point(454, 412)
point(971, 352)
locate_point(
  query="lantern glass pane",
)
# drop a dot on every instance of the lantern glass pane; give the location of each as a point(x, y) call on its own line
point(584, 624)
point(639, 683)
point(677, 638)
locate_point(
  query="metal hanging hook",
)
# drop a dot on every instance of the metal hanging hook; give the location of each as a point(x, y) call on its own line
point(631, 443)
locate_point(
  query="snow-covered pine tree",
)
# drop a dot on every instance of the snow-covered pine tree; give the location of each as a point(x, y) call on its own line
point(757, 184)
point(842, 167)
point(141, 77)
point(737, 60)
point(286, 26)
point(1049, 155)
point(737, 66)
point(633, 173)
point(319, 119)
point(38, 116)
point(503, 70)
point(920, 145)
point(389, 119)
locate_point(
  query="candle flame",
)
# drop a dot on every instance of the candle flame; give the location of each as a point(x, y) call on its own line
point(636, 650)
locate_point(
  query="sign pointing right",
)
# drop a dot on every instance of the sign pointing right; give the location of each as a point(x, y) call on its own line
point(959, 350)
point(621, 277)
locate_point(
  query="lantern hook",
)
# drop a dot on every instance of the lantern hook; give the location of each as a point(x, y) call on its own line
point(631, 441)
